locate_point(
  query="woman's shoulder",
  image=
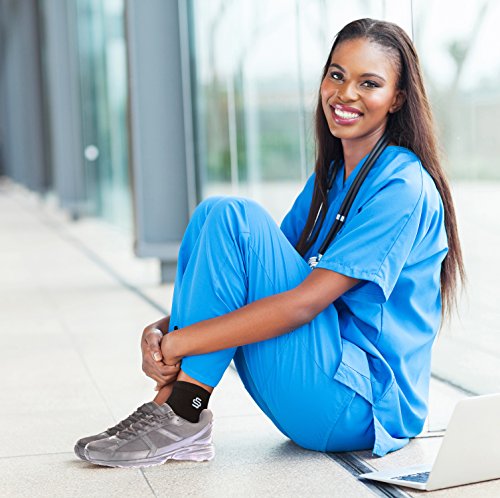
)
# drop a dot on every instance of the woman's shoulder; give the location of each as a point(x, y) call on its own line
point(403, 167)
point(402, 161)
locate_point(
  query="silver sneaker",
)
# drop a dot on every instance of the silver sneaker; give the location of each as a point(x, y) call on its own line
point(155, 438)
point(120, 426)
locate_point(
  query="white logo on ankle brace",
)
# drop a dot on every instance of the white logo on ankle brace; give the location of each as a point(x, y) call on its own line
point(196, 403)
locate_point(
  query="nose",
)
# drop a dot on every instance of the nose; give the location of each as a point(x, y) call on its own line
point(348, 93)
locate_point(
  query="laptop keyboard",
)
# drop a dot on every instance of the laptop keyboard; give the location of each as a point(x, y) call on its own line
point(419, 477)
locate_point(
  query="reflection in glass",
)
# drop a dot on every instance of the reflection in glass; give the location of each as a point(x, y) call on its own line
point(246, 94)
point(103, 87)
point(256, 75)
point(462, 63)
point(461, 57)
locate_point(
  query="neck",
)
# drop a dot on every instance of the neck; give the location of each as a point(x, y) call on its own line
point(354, 150)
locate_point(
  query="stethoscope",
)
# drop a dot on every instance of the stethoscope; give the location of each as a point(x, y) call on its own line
point(348, 200)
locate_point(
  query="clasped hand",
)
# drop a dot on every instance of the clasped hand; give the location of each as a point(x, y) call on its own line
point(158, 361)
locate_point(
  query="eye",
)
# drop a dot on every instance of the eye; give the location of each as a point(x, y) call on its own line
point(336, 75)
point(370, 84)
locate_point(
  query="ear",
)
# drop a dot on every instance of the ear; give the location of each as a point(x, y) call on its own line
point(398, 102)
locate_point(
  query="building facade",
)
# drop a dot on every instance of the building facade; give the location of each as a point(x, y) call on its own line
point(134, 111)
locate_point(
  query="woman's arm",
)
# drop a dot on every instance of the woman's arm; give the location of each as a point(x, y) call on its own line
point(263, 319)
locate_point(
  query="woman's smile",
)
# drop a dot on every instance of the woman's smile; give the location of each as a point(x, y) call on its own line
point(344, 115)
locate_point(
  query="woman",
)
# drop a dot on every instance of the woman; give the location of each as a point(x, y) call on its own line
point(337, 356)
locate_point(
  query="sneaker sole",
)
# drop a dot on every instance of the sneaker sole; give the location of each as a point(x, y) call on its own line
point(201, 450)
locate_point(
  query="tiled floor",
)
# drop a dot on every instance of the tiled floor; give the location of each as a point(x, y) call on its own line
point(70, 366)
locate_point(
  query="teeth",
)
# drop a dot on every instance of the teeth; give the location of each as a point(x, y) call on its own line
point(345, 114)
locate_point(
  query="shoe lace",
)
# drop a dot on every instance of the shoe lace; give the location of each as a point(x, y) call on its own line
point(123, 424)
point(144, 424)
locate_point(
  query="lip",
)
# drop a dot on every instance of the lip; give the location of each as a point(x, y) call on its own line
point(345, 108)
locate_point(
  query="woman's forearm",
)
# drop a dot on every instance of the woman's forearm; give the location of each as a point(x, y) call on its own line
point(263, 319)
point(260, 320)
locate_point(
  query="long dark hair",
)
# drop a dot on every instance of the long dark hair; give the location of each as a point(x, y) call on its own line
point(411, 126)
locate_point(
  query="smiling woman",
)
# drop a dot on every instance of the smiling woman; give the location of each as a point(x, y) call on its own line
point(310, 344)
point(357, 102)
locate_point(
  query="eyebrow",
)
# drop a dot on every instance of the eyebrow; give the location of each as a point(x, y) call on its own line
point(364, 75)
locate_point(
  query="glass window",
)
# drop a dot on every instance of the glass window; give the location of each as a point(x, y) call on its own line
point(461, 58)
point(247, 93)
point(103, 88)
point(256, 73)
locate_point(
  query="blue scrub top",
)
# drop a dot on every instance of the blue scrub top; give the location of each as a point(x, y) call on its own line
point(394, 241)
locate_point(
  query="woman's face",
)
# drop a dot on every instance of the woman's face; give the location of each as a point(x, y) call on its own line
point(359, 90)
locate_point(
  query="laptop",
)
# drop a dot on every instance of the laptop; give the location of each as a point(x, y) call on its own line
point(470, 451)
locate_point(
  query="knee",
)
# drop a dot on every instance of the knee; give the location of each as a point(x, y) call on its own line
point(208, 203)
point(232, 214)
point(204, 207)
point(237, 208)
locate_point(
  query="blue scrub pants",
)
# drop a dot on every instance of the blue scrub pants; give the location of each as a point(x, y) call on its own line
point(233, 253)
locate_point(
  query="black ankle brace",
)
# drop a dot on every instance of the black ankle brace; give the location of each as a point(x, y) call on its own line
point(188, 400)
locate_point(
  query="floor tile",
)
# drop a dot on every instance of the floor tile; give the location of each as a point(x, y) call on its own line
point(254, 459)
point(62, 475)
point(70, 366)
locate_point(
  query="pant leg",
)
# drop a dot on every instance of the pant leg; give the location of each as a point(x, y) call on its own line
point(354, 429)
point(234, 253)
point(188, 244)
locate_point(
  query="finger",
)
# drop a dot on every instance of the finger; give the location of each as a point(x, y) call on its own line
point(148, 333)
point(153, 340)
point(157, 366)
point(169, 378)
point(151, 369)
point(154, 351)
point(159, 379)
point(152, 374)
point(166, 374)
point(166, 369)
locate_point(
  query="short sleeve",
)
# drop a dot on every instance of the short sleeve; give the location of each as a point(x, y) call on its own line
point(295, 220)
point(377, 238)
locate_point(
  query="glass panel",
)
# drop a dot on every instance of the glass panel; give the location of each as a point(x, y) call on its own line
point(45, 105)
point(247, 90)
point(257, 67)
point(461, 58)
point(103, 83)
